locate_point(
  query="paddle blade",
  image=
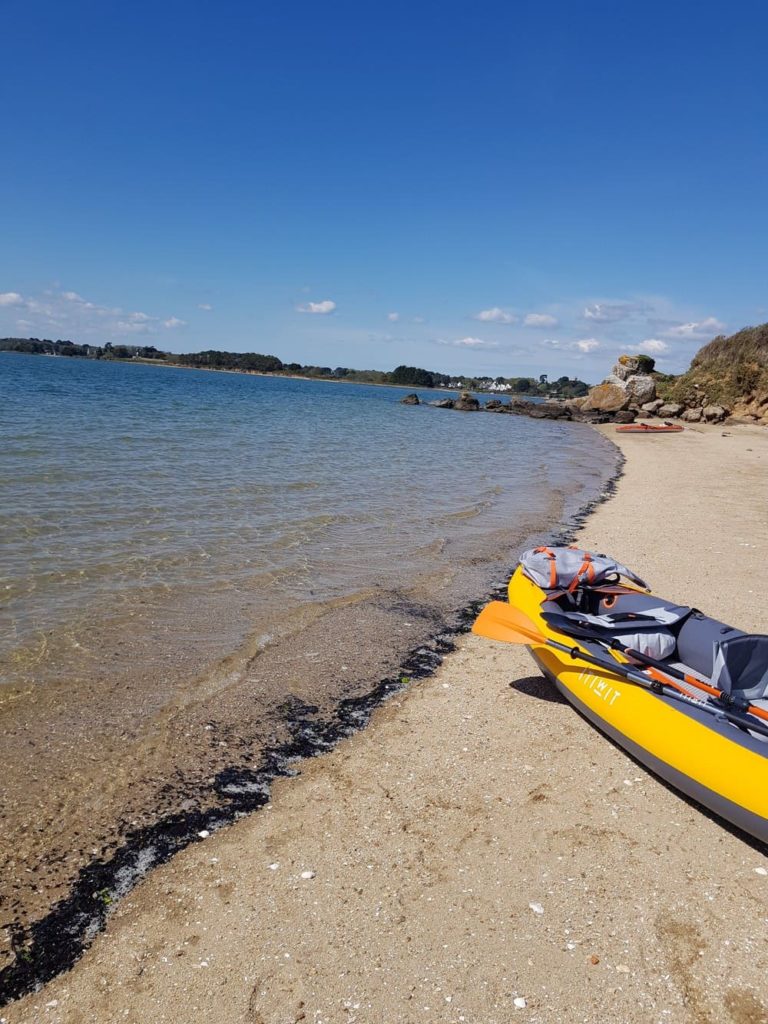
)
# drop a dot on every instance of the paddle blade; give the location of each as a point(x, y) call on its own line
point(500, 621)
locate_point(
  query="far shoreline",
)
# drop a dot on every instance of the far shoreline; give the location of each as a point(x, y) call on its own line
point(276, 376)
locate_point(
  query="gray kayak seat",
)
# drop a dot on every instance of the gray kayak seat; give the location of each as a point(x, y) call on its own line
point(697, 640)
point(741, 666)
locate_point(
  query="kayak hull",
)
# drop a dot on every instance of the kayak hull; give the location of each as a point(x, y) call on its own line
point(745, 820)
point(649, 428)
point(721, 767)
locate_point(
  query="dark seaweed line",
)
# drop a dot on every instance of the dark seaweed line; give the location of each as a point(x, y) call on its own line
point(56, 942)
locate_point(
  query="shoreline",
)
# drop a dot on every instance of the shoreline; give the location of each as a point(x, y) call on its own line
point(342, 865)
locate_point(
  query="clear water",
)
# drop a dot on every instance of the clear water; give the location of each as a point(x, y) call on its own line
point(119, 481)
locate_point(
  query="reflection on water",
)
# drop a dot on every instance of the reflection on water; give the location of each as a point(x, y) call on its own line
point(125, 484)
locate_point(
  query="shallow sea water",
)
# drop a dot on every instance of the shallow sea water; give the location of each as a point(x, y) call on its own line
point(123, 484)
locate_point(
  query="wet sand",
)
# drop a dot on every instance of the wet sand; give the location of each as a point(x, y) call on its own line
point(479, 844)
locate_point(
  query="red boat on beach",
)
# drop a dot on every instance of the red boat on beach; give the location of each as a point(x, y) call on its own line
point(650, 428)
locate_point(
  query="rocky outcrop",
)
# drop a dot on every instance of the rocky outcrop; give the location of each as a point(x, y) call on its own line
point(641, 389)
point(651, 408)
point(669, 410)
point(543, 410)
point(410, 400)
point(466, 403)
point(729, 374)
point(627, 387)
point(714, 413)
point(607, 397)
point(752, 410)
point(570, 409)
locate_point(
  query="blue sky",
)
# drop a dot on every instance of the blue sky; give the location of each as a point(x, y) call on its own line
point(504, 188)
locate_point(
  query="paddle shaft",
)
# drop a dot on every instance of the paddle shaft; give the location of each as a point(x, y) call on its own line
point(637, 677)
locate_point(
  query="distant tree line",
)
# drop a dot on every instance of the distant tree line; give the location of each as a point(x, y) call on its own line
point(254, 362)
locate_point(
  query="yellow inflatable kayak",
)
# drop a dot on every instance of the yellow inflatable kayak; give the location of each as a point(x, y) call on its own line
point(683, 693)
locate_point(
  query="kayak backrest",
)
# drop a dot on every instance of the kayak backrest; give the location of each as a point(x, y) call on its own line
point(696, 641)
point(741, 666)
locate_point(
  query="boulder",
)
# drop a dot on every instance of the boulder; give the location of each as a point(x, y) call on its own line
point(442, 403)
point(651, 408)
point(410, 400)
point(575, 403)
point(692, 415)
point(626, 367)
point(547, 410)
point(466, 403)
point(493, 405)
point(669, 409)
point(624, 416)
point(606, 398)
point(714, 413)
point(641, 388)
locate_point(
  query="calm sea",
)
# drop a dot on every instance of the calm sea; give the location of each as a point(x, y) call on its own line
point(127, 484)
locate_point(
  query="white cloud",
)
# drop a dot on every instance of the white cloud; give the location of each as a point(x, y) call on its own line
point(611, 312)
point(393, 317)
point(470, 343)
point(74, 317)
point(205, 305)
point(326, 306)
point(496, 316)
point(587, 344)
point(653, 346)
point(696, 328)
point(419, 320)
point(540, 320)
point(130, 327)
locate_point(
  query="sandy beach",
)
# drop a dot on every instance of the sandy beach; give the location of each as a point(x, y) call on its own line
point(479, 853)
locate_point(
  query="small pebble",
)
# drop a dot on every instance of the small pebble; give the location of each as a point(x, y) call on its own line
point(307, 874)
point(275, 866)
point(622, 968)
point(761, 871)
point(204, 833)
point(519, 1002)
point(536, 908)
point(594, 959)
